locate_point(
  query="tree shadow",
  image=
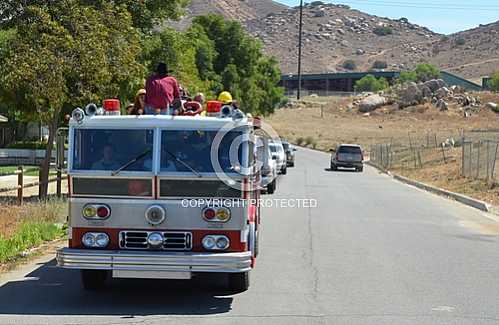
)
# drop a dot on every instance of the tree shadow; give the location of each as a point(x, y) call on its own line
point(50, 290)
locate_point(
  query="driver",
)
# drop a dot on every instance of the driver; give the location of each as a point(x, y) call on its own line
point(107, 162)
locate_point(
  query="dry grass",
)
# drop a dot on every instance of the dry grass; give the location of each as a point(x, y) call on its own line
point(341, 125)
point(13, 216)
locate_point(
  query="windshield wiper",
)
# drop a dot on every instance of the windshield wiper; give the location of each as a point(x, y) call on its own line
point(198, 174)
point(131, 162)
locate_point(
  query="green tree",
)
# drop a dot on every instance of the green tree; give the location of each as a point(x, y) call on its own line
point(494, 82)
point(145, 13)
point(407, 76)
point(235, 62)
point(426, 71)
point(67, 55)
point(370, 83)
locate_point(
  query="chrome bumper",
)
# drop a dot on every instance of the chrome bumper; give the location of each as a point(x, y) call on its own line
point(153, 261)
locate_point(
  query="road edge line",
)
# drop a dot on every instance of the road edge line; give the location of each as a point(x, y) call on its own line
point(464, 199)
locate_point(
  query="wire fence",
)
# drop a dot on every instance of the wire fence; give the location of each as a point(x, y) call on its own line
point(475, 153)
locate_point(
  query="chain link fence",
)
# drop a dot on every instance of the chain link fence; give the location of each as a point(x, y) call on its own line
point(417, 151)
point(476, 153)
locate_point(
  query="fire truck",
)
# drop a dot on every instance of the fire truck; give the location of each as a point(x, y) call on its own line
point(162, 197)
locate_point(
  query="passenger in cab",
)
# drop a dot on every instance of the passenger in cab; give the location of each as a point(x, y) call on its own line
point(107, 162)
point(162, 90)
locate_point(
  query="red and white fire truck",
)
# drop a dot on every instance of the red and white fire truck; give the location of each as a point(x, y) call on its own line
point(164, 197)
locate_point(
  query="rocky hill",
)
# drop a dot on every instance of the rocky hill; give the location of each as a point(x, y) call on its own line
point(472, 53)
point(334, 34)
point(240, 10)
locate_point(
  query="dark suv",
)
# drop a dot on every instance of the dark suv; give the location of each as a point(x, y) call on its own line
point(347, 156)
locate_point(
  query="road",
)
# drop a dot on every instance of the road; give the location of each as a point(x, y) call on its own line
point(374, 251)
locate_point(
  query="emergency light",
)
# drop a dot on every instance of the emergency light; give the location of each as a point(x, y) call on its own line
point(111, 106)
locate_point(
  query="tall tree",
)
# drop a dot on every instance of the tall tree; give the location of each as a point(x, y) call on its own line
point(66, 55)
point(145, 13)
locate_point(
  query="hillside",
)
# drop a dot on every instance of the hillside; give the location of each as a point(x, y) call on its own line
point(336, 33)
point(240, 10)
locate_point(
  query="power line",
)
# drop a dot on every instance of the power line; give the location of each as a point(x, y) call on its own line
point(411, 5)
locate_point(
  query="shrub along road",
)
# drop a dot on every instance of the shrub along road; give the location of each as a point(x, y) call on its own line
point(374, 251)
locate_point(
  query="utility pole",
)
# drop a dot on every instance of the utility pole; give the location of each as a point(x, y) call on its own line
point(298, 94)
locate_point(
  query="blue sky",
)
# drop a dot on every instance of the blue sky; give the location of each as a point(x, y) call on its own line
point(442, 16)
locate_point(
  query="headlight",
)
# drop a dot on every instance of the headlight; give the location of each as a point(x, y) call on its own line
point(155, 215)
point(216, 242)
point(95, 240)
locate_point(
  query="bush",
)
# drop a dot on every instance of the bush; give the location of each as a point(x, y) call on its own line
point(408, 76)
point(370, 83)
point(494, 82)
point(380, 65)
point(310, 141)
point(383, 31)
point(426, 71)
point(349, 65)
point(460, 41)
point(300, 141)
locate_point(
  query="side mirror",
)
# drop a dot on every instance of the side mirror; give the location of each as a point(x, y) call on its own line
point(331, 150)
point(294, 149)
point(274, 157)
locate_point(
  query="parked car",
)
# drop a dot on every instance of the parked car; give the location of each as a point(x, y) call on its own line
point(290, 154)
point(279, 156)
point(268, 165)
point(347, 156)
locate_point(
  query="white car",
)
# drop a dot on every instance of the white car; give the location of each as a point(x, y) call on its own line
point(279, 155)
point(268, 165)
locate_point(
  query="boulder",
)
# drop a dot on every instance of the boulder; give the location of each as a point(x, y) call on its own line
point(371, 103)
point(410, 95)
point(360, 52)
point(442, 93)
point(442, 105)
point(435, 84)
point(492, 106)
point(425, 91)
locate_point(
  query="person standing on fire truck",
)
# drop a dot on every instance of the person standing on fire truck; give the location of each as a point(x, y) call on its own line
point(162, 90)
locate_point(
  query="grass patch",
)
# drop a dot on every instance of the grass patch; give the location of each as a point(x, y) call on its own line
point(29, 235)
point(27, 226)
point(10, 170)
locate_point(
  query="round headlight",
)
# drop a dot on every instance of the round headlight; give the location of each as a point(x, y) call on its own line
point(222, 242)
point(209, 242)
point(89, 211)
point(155, 215)
point(101, 240)
point(88, 240)
point(78, 115)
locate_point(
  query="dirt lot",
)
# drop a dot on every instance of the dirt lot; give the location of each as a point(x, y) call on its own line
point(339, 124)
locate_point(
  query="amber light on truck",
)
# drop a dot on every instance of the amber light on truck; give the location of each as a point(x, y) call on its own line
point(216, 214)
point(96, 211)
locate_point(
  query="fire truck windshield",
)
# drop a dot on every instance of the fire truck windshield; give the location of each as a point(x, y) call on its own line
point(99, 149)
point(194, 148)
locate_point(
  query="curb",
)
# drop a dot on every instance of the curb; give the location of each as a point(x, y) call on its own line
point(474, 203)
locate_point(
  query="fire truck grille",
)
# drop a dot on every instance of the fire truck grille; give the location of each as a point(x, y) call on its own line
point(173, 241)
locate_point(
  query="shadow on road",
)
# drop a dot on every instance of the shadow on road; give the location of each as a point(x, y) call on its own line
point(349, 170)
point(52, 291)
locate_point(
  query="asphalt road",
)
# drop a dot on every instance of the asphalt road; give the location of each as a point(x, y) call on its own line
point(374, 251)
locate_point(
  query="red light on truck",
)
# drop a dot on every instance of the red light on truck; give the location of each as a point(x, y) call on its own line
point(213, 106)
point(209, 214)
point(103, 212)
point(111, 106)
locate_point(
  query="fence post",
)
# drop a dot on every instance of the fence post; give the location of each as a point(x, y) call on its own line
point(462, 155)
point(443, 154)
point(478, 160)
point(488, 160)
point(495, 161)
point(20, 185)
point(436, 142)
point(471, 160)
